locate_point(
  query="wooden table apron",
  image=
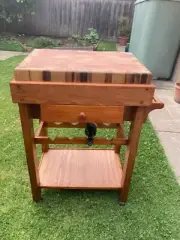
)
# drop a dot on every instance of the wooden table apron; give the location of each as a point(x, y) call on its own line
point(59, 94)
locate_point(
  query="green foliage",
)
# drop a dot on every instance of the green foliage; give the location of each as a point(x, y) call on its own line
point(43, 42)
point(15, 9)
point(106, 46)
point(91, 38)
point(79, 41)
point(124, 32)
point(124, 27)
point(77, 37)
point(11, 45)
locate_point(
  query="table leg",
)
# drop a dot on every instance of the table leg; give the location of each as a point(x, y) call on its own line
point(28, 135)
point(131, 151)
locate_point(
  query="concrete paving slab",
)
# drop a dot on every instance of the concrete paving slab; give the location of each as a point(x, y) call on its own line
point(160, 84)
point(171, 145)
point(168, 118)
point(4, 55)
point(120, 48)
point(166, 123)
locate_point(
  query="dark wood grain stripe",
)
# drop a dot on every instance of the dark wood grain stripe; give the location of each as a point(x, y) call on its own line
point(133, 78)
point(83, 77)
point(73, 76)
point(46, 76)
point(144, 78)
point(108, 78)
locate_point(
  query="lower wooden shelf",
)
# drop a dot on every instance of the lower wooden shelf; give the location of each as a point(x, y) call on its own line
point(80, 169)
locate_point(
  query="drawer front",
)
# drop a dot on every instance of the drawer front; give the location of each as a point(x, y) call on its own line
point(97, 114)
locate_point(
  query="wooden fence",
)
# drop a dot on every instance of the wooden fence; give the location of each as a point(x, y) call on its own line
point(62, 18)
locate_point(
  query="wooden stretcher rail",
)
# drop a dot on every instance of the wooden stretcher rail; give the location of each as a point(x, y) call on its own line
point(79, 125)
point(43, 125)
point(79, 140)
point(40, 139)
point(82, 93)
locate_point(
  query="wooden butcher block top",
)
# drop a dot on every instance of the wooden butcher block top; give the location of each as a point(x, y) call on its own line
point(82, 66)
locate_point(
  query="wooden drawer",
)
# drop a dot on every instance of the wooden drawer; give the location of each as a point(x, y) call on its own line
point(97, 114)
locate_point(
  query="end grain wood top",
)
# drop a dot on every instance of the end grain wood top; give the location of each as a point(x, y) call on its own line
point(82, 66)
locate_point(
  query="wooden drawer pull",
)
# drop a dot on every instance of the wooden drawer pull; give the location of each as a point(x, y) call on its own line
point(82, 116)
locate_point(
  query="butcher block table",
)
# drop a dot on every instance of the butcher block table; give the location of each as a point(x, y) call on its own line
point(79, 89)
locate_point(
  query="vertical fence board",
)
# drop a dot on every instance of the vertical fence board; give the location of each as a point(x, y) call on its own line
point(62, 18)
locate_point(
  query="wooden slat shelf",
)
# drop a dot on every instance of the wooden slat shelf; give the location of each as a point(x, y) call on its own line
point(80, 169)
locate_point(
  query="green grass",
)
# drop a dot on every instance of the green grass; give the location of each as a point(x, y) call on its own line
point(152, 211)
point(11, 45)
point(106, 46)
